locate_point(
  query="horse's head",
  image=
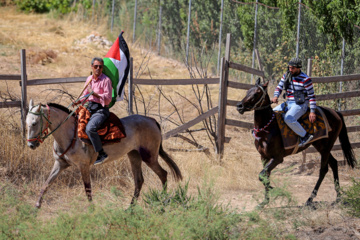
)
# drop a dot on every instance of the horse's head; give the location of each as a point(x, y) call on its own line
point(35, 125)
point(255, 98)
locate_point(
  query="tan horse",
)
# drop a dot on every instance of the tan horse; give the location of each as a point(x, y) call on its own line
point(142, 144)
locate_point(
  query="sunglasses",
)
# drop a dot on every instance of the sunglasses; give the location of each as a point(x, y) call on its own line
point(97, 66)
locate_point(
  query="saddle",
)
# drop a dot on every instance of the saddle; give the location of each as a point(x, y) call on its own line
point(319, 129)
point(111, 131)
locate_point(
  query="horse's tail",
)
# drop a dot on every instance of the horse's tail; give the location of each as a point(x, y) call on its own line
point(174, 168)
point(345, 144)
point(172, 165)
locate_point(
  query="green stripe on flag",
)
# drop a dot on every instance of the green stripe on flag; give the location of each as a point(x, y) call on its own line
point(112, 72)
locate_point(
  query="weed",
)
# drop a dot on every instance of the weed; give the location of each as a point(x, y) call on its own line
point(351, 198)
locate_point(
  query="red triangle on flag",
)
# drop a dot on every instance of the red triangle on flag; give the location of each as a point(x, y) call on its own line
point(114, 51)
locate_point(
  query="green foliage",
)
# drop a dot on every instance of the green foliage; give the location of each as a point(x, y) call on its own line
point(17, 219)
point(181, 217)
point(351, 198)
point(38, 6)
point(336, 18)
point(44, 6)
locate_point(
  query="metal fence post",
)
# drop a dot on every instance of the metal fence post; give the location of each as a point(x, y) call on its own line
point(298, 30)
point(254, 47)
point(220, 32)
point(159, 31)
point(134, 29)
point(23, 92)
point(188, 33)
point(112, 14)
point(131, 88)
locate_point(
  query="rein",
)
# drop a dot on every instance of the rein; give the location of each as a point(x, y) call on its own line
point(41, 138)
point(255, 131)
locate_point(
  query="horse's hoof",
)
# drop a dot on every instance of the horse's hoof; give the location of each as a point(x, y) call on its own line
point(310, 205)
point(38, 205)
point(262, 205)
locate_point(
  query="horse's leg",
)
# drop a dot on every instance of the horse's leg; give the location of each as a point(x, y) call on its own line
point(85, 174)
point(334, 167)
point(57, 168)
point(152, 160)
point(135, 161)
point(323, 170)
point(264, 177)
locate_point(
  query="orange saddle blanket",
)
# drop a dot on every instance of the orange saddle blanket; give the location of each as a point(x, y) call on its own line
point(319, 129)
point(111, 130)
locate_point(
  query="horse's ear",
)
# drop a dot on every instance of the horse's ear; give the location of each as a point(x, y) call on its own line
point(31, 103)
point(38, 109)
point(266, 84)
point(258, 81)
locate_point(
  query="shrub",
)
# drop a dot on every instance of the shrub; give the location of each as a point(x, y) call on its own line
point(38, 6)
point(351, 198)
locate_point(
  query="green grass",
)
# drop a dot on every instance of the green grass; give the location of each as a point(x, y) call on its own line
point(351, 198)
point(163, 215)
point(172, 214)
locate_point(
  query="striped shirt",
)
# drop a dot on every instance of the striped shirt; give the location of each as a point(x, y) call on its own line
point(300, 82)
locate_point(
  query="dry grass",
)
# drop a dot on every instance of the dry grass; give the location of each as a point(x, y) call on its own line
point(235, 178)
point(42, 35)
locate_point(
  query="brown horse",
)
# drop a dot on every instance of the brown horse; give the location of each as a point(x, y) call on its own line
point(270, 144)
point(143, 143)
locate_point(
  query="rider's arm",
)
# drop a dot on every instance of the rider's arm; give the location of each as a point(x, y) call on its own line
point(279, 87)
point(310, 93)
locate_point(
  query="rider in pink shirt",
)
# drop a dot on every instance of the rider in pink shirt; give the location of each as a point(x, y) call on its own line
point(102, 88)
point(98, 105)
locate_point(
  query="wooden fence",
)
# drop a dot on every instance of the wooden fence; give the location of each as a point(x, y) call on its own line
point(21, 104)
point(221, 109)
point(225, 84)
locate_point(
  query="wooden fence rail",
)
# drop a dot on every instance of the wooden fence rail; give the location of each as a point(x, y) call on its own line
point(315, 80)
point(223, 82)
point(170, 82)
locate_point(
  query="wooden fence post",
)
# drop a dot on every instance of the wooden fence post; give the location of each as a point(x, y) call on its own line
point(131, 88)
point(309, 67)
point(308, 72)
point(224, 75)
point(23, 92)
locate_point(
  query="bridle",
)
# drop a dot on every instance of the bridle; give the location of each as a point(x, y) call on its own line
point(44, 133)
point(260, 101)
point(255, 107)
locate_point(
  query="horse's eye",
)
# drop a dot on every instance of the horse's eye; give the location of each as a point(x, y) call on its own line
point(34, 124)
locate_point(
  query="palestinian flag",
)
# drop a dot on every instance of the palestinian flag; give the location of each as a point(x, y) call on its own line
point(116, 67)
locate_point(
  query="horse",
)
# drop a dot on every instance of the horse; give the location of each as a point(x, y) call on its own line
point(143, 143)
point(270, 144)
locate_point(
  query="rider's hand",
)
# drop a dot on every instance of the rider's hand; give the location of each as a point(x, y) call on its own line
point(75, 103)
point(312, 117)
point(274, 100)
point(89, 89)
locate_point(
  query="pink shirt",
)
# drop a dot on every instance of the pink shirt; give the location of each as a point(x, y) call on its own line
point(102, 86)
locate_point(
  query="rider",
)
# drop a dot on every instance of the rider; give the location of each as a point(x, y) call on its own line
point(300, 92)
point(98, 105)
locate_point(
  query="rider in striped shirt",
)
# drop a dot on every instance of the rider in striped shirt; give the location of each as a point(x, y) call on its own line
point(296, 80)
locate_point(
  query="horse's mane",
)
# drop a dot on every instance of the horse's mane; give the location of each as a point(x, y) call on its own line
point(58, 106)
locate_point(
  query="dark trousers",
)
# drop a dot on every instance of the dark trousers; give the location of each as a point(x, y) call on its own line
point(98, 116)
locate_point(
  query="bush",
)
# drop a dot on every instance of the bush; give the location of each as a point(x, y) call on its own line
point(43, 6)
point(351, 198)
point(38, 6)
